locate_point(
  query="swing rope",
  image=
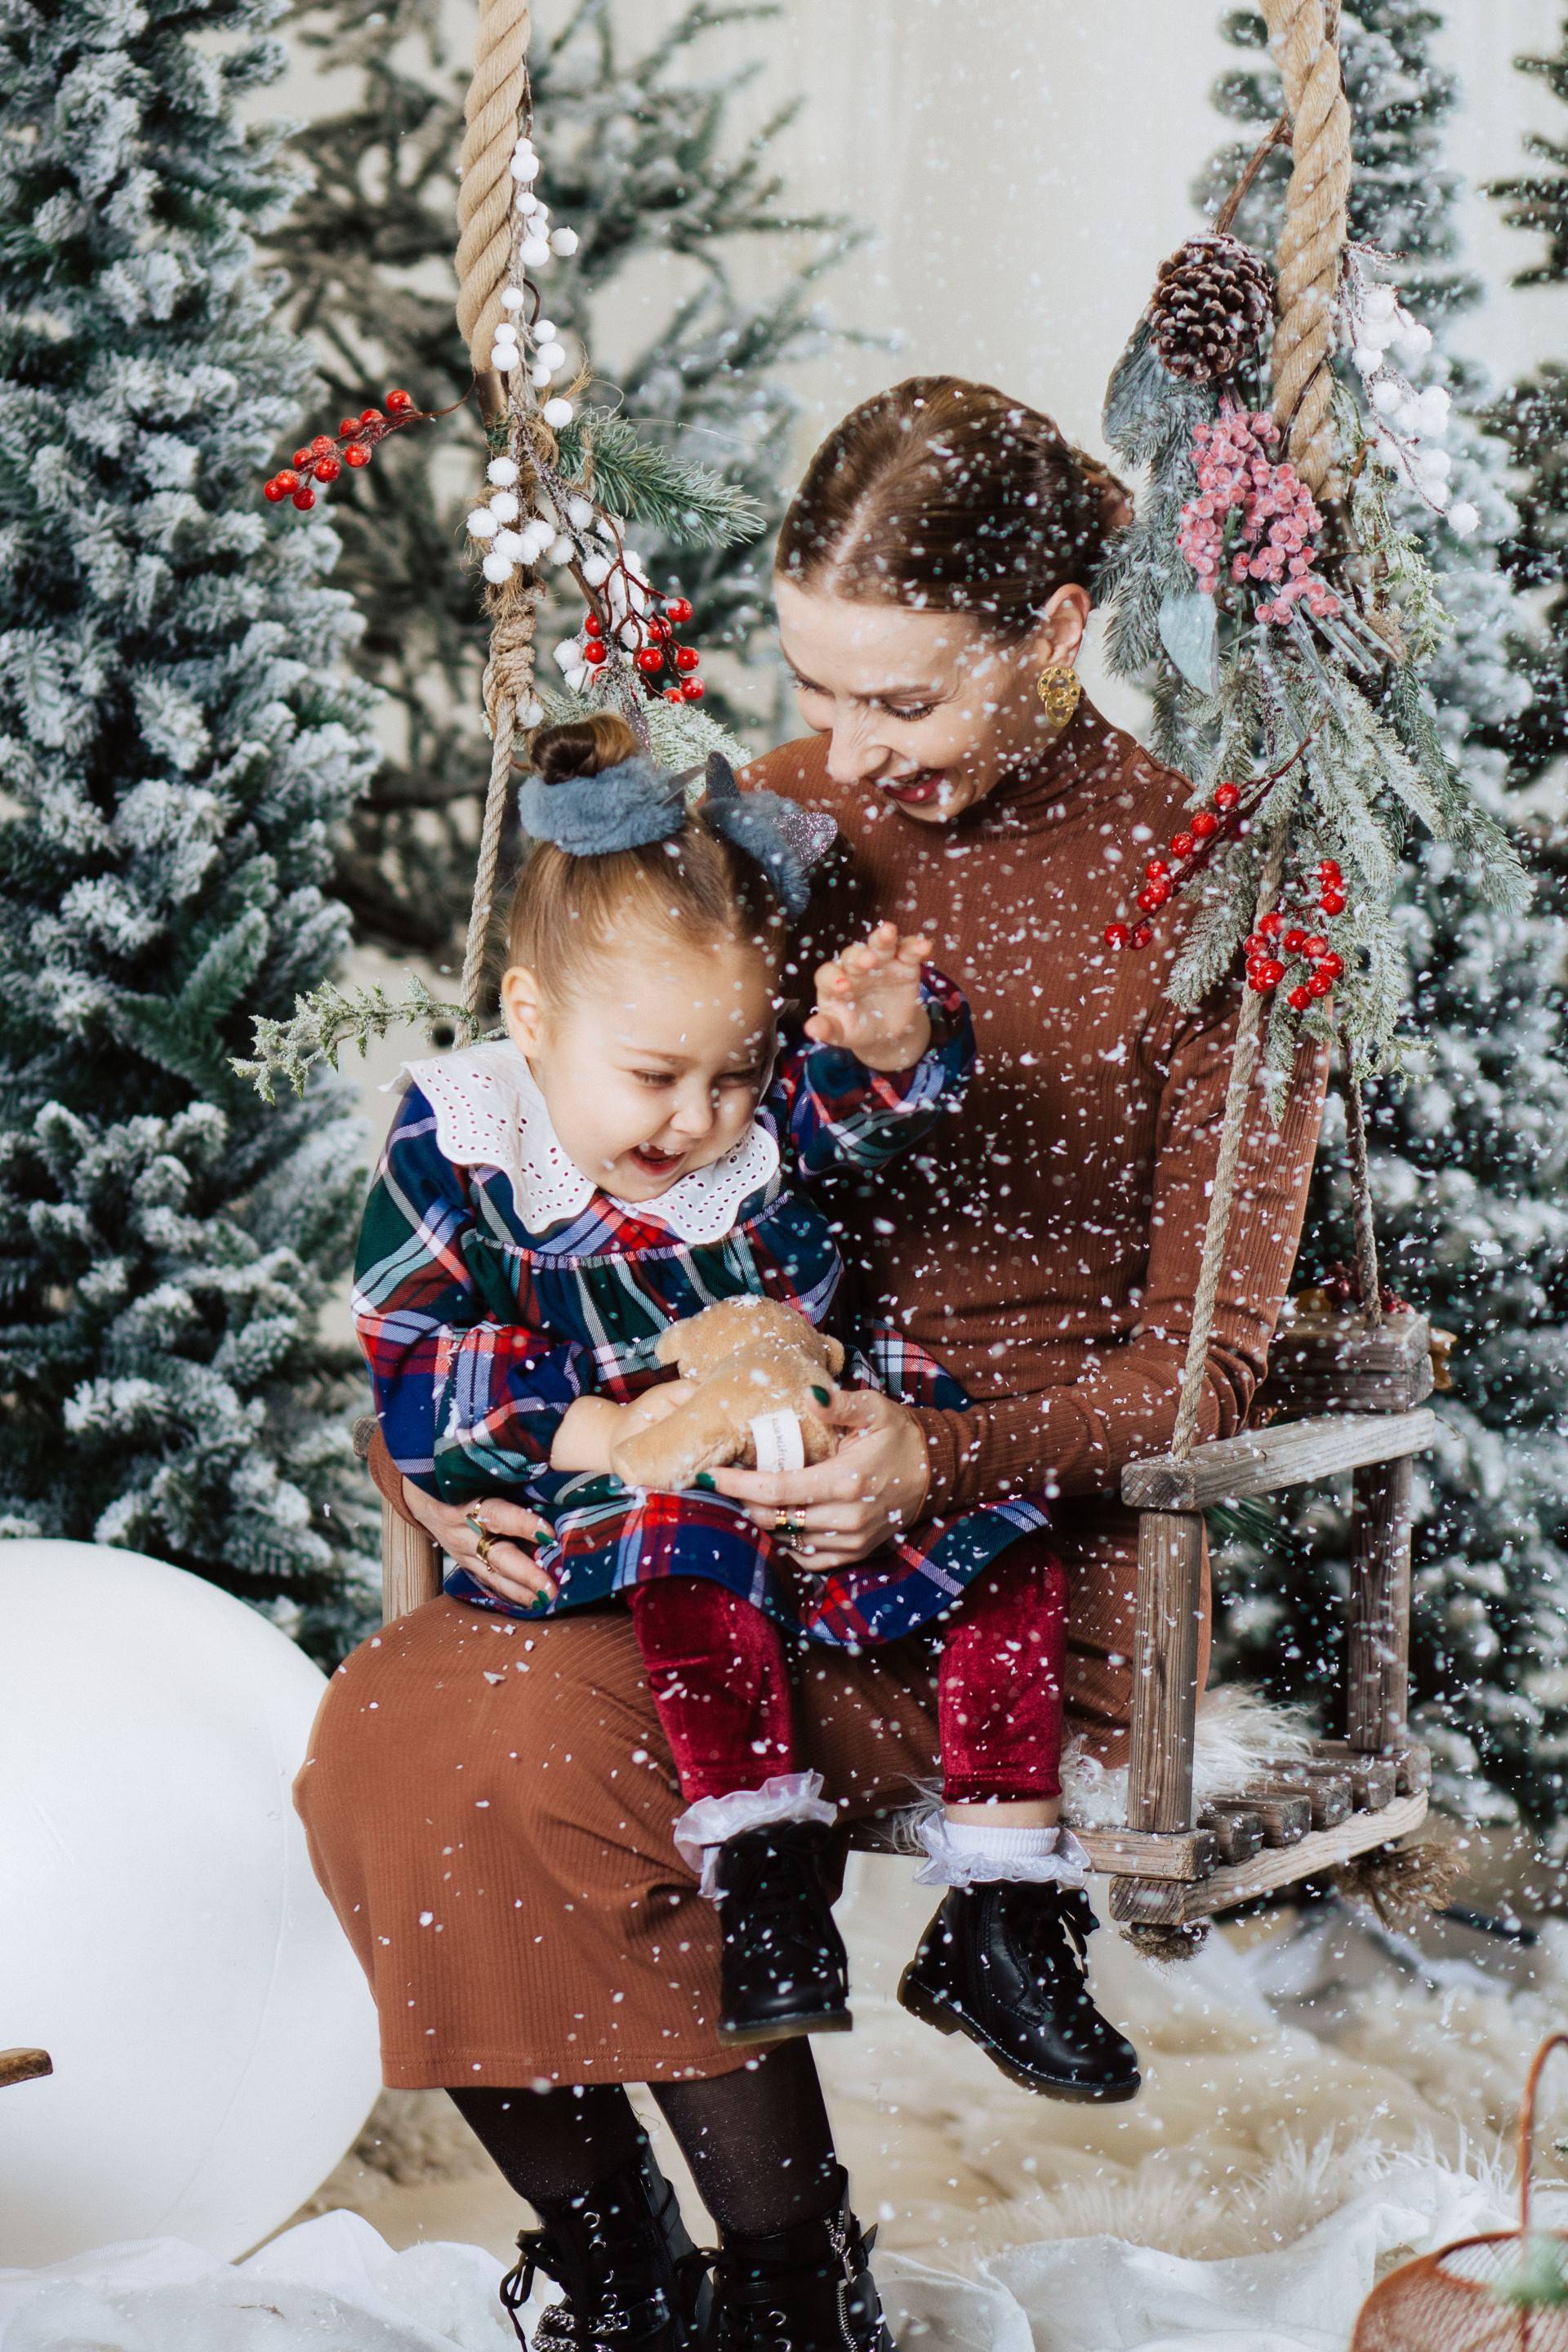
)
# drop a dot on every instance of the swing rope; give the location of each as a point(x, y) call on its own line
point(1303, 35)
point(493, 112)
point(497, 109)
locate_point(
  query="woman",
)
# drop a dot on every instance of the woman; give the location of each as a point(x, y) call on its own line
point(488, 1803)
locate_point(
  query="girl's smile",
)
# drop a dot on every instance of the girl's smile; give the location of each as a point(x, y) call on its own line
point(653, 1066)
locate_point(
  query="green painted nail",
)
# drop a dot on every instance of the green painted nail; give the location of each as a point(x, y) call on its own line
point(820, 1394)
point(706, 1480)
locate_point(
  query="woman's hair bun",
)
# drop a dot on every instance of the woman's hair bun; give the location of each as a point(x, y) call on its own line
point(582, 747)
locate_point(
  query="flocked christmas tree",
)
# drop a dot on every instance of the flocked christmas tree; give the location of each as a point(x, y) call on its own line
point(1533, 416)
point(639, 154)
point(181, 744)
point(1470, 1151)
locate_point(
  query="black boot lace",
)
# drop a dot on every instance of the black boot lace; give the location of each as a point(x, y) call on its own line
point(1044, 1928)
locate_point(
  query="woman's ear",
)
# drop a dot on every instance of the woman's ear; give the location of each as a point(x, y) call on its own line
point(1059, 636)
point(523, 1008)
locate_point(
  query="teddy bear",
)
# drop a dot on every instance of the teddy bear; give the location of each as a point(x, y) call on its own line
point(758, 1365)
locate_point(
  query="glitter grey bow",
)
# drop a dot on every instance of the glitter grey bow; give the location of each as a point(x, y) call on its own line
point(632, 803)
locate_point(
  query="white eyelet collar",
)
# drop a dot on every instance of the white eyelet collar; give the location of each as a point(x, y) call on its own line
point(490, 1113)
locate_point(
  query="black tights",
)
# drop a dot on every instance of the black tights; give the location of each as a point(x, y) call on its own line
point(758, 2139)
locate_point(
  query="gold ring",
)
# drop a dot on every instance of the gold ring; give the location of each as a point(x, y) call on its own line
point(786, 1528)
point(484, 1539)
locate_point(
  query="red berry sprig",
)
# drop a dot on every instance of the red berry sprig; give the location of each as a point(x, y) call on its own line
point(1278, 943)
point(1340, 1286)
point(660, 657)
point(325, 458)
point(1231, 812)
point(1188, 848)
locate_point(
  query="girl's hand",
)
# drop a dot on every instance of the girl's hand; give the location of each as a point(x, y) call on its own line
point(868, 1000)
point(510, 1570)
point(873, 1487)
point(591, 1425)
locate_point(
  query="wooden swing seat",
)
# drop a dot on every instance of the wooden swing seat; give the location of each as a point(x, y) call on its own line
point(1339, 1398)
point(1361, 1394)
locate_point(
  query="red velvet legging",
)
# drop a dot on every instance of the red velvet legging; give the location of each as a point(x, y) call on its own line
point(721, 1682)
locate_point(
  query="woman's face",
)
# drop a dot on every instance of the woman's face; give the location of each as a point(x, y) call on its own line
point(927, 708)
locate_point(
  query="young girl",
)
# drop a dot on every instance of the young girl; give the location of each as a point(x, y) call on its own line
point(636, 1148)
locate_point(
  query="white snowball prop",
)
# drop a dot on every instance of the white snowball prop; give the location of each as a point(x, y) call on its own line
point(213, 2041)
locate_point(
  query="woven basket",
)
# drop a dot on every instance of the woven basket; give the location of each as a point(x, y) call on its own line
point(1449, 2302)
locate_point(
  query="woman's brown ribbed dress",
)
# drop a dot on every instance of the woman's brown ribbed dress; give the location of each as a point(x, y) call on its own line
point(490, 1802)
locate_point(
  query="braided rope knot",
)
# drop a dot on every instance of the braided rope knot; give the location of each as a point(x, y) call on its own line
point(509, 673)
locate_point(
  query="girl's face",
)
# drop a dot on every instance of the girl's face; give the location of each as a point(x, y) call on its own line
point(655, 1064)
point(930, 710)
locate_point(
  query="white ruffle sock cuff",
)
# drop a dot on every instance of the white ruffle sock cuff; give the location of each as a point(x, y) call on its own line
point(972, 1854)
point(705, 1826)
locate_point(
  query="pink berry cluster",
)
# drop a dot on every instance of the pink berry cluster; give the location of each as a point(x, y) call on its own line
point(1273, 541)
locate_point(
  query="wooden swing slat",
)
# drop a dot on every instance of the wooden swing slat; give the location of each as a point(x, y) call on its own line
point(1146, 1854)
point(1334, 1363)
point(24, 2065)
point(1267, 1461)
point(1143, 1902)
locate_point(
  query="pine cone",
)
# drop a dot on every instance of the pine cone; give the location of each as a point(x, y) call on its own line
point(1210, 305)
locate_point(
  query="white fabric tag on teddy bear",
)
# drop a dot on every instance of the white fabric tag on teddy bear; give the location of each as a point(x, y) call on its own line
point(780, 1442)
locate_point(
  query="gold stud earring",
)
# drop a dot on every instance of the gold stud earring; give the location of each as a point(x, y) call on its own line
point(1060, 688)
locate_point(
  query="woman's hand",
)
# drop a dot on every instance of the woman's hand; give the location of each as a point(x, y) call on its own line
point(873, 1487)
point(509, 1570)
point(868, 1000)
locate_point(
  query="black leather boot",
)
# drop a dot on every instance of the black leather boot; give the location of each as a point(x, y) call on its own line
point(1006, 1963)
point(633, 2282)
point(783, 1968)
point(804, 2289)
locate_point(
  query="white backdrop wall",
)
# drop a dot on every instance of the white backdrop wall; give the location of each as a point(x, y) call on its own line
point(1023, 165)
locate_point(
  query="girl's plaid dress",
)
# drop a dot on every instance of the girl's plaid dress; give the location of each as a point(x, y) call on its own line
point(495, 1283)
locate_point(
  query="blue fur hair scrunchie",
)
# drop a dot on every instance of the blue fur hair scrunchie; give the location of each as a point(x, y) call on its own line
point(622, 807)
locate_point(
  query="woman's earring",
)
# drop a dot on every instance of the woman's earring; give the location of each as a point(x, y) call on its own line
point(1060, 688)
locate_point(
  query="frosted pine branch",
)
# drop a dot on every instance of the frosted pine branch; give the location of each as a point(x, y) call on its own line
point(331, 1018)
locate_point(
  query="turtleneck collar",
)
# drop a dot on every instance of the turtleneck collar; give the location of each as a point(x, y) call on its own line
point(1085, 765)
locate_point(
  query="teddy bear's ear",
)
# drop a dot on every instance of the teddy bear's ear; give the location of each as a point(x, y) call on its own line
point(667, 1351)
point(834, 1352)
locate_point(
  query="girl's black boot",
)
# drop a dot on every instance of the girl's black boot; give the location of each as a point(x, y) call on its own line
point(783, 1968)
point(806, 2288)
point(633, 2282)
point(1006, 1963)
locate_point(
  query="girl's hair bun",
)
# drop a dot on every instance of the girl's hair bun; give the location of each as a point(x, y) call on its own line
point(582, 747)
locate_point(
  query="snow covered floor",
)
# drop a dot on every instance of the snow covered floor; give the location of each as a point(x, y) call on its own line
point(1313, 2112)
